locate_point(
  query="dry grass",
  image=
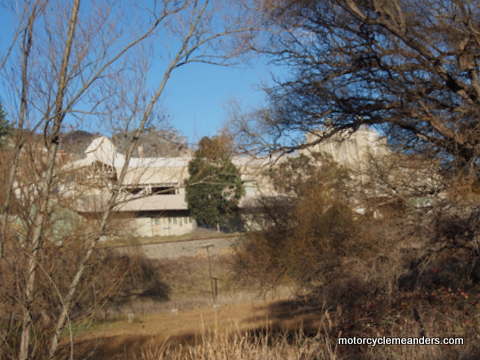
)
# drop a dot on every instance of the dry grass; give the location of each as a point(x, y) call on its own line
point(175, 323)
point(285, 330)
point(305, 328)
point(240, 346)
point(173, 327)
point(187, 286)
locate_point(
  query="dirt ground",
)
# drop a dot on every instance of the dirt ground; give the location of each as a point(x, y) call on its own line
point(116, 339)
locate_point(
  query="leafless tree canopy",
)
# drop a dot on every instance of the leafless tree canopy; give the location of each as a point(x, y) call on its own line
point(409, 68)
point(70, 64)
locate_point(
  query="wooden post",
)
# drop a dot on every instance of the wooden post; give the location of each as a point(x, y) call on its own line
point(213, 282)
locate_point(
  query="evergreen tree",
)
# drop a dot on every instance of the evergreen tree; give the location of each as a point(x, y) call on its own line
point(214, 187)
point(4, 126)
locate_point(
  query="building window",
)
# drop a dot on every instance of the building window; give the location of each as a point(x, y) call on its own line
point(163, 190)
point(148, 189)
point(134, 190)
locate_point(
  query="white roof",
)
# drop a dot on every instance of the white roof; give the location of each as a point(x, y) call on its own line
point(102, 149)
point(150, 170)
point(155, 171)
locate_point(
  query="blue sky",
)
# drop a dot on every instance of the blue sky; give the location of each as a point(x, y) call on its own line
point(197, 95)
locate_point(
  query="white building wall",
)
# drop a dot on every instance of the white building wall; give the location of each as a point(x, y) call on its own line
point(163, 225)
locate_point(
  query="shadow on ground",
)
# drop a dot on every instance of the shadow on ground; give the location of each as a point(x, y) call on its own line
point(349, 307)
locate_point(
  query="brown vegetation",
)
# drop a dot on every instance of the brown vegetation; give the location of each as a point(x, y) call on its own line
point(397, 255)
point(310, 232)
point(408, 68)
point(83, 63)
point(406, 270)
point(109, 281)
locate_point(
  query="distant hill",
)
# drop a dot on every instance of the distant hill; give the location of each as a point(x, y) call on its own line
point(77, 141)
point(154, 143)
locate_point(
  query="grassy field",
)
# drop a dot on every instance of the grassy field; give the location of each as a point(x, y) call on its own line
point(184, 315)
point(175, 322)
point(254, 331)
point(132, 336)
point(184, 324)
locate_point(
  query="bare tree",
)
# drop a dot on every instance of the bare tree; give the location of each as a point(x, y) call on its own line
point(69, 57)
point(26, 47)
point(408, 68)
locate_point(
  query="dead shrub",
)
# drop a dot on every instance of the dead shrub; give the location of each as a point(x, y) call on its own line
point(312, 235)
point(109, 279)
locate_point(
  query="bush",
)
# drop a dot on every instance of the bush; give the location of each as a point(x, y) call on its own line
point(310, 235)
point(110, 279)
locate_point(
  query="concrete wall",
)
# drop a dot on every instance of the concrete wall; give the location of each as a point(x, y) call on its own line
point(351, 150)
point(177, 249)
point(163, 225)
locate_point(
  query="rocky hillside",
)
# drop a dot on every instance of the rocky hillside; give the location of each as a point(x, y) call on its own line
point(154, 143)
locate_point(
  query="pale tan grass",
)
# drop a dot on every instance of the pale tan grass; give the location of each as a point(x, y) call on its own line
point(239, 346)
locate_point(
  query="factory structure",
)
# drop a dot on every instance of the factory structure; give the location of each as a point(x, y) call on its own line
point(152, 194)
